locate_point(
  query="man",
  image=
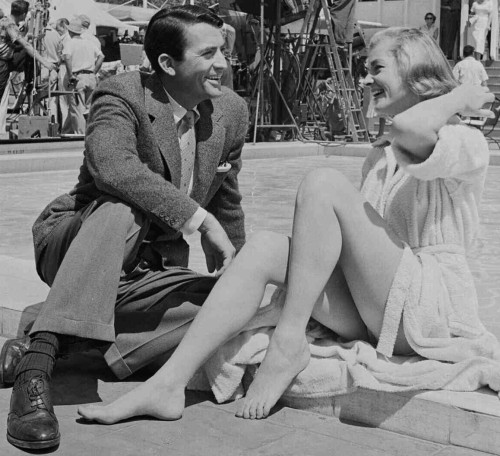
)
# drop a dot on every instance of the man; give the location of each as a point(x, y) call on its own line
point(142, 34)
point(52, 52)
point(11, 40)
point(83, 60)
point(64, 99)
point(87, 34)
point(469, 70)
point(112, 249)
point(450, 26)
point(136, 38)
point(343, 18)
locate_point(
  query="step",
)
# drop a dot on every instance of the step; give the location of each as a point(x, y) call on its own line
point(467, 419)
point(493, 73)
point(495, 133)
point(40, 155)
point(493, 86)
point(489, 65)
point(492, 64)
point(53, 156)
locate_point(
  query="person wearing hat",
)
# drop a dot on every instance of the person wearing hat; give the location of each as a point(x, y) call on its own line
point(83, 60)
point(61, 27)
point(162, 158)
point(87, 34)
point(11, 40)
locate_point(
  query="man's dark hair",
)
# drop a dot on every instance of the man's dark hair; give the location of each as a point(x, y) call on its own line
point(468, 50)
point(62, 21)
point(19, 7)
point(166, 31)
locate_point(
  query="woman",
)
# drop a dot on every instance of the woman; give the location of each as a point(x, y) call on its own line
point(357, 259)
point(480, 20)
point(430, 26)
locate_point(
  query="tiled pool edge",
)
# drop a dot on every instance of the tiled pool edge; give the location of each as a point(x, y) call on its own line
point(25, 158)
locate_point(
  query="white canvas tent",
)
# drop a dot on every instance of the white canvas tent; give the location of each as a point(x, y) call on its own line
point(128, 13)
point(5, 7)
point(98, 17)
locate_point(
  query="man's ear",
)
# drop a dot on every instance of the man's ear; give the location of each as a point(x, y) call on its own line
point(166, 64)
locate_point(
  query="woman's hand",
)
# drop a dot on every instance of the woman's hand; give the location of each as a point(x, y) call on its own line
point(470, 100)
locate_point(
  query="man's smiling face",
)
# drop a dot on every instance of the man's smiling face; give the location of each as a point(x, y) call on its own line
point(198, 75)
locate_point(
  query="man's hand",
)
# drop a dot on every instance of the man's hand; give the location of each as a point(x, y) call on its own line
point(219, 252)
point(51, 67)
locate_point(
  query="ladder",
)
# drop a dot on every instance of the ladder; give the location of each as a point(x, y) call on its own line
point(321, 57)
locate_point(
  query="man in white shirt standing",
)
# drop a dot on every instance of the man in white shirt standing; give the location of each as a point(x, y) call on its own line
point(87, 34)
point(83, 60)
point(469, 70)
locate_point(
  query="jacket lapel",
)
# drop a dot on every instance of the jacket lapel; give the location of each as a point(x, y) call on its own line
point(165, 130)
point(210, 135)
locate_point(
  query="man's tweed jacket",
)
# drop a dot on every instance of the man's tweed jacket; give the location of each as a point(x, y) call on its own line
point(132, 153)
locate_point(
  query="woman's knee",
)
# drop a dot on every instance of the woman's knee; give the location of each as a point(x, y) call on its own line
point(266, 243)
point(267, 252)
point(323, 184)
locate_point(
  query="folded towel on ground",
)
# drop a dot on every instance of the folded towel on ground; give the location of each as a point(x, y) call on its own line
point(336, 367)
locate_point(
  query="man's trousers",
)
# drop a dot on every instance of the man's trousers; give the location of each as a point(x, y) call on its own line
point(78, 103)
point(101, 289)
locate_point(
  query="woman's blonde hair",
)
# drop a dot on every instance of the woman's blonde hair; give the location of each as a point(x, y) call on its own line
point(421, 62)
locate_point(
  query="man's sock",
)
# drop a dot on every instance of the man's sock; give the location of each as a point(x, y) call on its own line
point(39, 358)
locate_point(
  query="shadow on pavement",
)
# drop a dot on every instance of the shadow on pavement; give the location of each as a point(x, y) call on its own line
point(79, 377)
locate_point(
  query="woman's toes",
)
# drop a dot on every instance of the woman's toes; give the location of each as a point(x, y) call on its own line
point(246, 411)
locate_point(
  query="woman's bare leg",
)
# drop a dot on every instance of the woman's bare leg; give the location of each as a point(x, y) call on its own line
point(332, 225)
point(335, 309)
point(233, 301)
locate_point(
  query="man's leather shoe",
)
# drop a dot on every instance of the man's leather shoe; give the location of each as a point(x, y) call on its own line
point(32, 423)
point(12, 352)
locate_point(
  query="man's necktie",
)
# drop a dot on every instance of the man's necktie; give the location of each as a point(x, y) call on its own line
point(187, 142)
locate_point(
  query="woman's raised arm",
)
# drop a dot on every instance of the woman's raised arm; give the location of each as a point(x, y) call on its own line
point(415, 131)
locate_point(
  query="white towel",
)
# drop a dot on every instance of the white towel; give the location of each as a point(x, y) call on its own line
point(336, 367)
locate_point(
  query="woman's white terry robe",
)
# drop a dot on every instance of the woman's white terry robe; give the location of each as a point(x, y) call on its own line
point(433, 206)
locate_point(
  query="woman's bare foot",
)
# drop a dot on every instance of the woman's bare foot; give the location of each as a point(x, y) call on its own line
point(286, 357)
point(150, 398)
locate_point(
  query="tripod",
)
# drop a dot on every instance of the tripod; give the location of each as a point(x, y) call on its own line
point(268, 97)
point(325, 66)
point(307, 91)
point(32, 90)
